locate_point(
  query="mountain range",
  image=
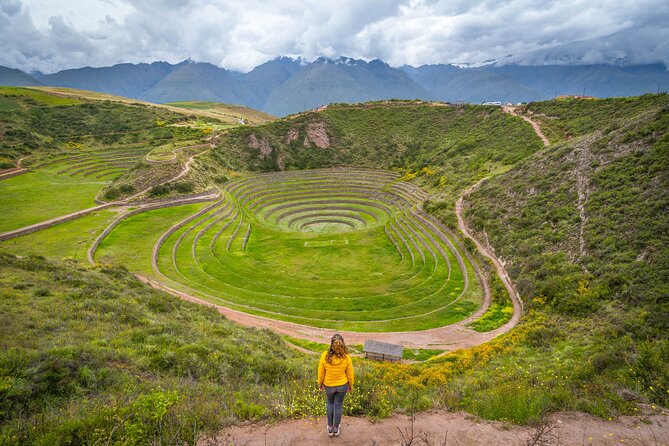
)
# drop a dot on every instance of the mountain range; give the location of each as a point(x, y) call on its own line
point(285, 85)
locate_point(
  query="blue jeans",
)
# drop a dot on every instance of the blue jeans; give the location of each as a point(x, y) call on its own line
point(335, 396)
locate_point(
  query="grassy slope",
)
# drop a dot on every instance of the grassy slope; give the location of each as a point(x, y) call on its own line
point(618, 157)
point(229, 113)
point(121, 362)
point(42, 122)
point(132, 241)
point(203, 110)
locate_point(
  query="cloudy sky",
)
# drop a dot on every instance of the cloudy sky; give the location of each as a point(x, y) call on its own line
point(50, 35)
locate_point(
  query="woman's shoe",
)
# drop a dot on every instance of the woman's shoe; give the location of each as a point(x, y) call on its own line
point(330, 432)
point(337, 431)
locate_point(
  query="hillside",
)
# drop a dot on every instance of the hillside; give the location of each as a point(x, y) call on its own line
point(35, 119)
point(14, 77)
point(127, 80)
point(197, 81)
point(447, 147)
point(214, 112)
point(595, 232)
point(117, 350)
point(583, 228)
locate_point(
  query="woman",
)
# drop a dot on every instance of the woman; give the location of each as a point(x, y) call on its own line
point(335, 376)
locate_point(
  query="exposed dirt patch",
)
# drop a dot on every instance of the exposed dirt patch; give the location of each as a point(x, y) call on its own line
point(281, 161)
point(262, 145)
point(292, 135)
point(459, 428)
point(316, 134)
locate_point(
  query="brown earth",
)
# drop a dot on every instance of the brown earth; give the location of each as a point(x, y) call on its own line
point(316, 134)
point(262, 145)
point(454, 428)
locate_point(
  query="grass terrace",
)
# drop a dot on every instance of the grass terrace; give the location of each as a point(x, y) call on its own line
point(334, 248)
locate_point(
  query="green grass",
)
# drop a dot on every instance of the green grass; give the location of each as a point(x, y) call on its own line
point(27, 96)
point(563, 120)
point(9, 104)
point(46, 124)
point(68, 240)
point(420, 354)
point(43, 194)
point(496, 316)
point(315, 347)
point(347, 278)
point(500, 310)
point(131, 242)
point(81, 347)
point(165, 152)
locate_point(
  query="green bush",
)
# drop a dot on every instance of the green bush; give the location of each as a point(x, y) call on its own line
point(161, 189)
point(184, 187)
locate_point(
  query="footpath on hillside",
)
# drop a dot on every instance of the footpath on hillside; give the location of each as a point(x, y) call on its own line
point(535, 125)
point(437, 428)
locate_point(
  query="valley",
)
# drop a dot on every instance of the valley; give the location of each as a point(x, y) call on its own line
point(531, 273)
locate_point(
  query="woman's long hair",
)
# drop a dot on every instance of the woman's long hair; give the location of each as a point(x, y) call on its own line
point(337, 348)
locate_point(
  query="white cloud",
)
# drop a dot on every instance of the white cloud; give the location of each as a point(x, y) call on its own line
point(52, 35)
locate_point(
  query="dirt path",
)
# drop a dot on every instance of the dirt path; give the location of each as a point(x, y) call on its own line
point(452, 428)
point(450, 337)
point(499, 267)
point(534, 124)
point(14, 171)
point(185, 171)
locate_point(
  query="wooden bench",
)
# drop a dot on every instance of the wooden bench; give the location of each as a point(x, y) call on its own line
point(383, 351)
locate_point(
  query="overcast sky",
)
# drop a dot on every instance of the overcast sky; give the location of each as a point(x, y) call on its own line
point(50, 35)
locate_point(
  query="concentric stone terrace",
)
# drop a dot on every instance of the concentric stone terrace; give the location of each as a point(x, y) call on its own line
point(339, 248)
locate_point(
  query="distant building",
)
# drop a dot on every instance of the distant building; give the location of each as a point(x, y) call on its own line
point(498, 103)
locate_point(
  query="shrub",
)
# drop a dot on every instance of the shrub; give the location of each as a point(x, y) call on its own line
point(184, 187)
point(159, 190)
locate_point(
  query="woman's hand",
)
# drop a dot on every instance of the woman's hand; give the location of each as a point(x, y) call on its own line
point(322, 387)
point(350, 388)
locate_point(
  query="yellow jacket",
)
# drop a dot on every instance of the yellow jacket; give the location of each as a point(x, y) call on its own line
point(338, 373)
